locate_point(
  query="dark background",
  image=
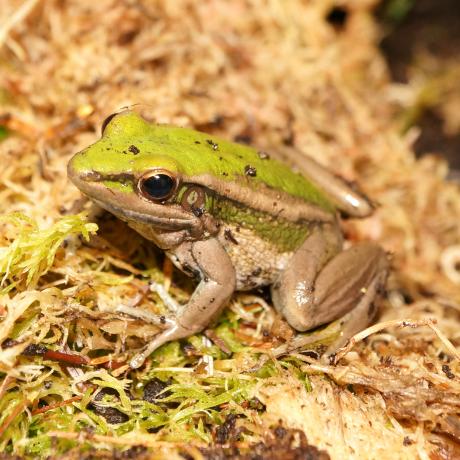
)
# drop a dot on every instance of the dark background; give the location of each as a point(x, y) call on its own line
point(414, 26)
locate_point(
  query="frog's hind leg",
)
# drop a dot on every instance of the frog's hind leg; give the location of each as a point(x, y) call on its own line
point(318, 287)
point(344, 195)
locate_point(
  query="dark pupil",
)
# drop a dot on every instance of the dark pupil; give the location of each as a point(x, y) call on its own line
point(158, 186)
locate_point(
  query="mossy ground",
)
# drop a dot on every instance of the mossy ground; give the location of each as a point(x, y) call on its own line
point(280, 75)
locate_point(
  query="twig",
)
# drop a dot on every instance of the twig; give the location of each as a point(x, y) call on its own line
point(210, 334)
point(56, 405)
point(3, 388)
point(16, 411)
point(138, 440)
point(395, 323)
point(74, 360)
point(21, 13)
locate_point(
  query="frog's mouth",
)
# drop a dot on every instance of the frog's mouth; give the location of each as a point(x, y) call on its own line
point(131, 207)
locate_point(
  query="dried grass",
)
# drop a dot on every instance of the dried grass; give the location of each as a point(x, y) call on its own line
point(275, 72)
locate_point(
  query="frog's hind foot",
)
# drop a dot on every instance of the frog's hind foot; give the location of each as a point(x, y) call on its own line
point(343, 289)
point(358, 318)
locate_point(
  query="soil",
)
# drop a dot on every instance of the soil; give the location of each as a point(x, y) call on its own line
point(429, 26)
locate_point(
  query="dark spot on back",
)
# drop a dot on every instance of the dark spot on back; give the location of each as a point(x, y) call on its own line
point(133, 149)
point(213, 145)
point(198, 212)
point(250, 171)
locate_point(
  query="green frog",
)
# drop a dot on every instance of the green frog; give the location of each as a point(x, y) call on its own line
point(235, 219)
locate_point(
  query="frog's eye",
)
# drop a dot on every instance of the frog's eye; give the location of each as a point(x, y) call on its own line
point(157, 185)
point(107, 121)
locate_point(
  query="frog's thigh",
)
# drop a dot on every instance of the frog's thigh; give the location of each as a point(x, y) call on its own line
point(309, 295)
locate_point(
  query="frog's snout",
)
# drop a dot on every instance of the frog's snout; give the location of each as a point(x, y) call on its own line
point(79, 175)
point(77, 171)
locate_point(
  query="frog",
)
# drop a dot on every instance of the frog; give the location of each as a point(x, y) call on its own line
point(235, 218)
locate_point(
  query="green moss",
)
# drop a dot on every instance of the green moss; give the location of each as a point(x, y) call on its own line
point(395, 11)
point(3, 133)
point(189, 408)
point(201, 384)
point(31, 254)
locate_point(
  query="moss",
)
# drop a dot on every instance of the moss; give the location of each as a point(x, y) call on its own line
point(3, 133)
point(31, 254)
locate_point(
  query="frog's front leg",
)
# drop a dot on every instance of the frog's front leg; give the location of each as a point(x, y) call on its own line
point(320, 286)
point(218, 280)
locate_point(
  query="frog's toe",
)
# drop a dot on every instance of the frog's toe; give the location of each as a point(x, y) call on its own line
point(175, 332)
point(164, 295)
point(159, 320)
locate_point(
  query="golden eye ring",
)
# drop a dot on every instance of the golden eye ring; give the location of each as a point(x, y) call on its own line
point(157, 185)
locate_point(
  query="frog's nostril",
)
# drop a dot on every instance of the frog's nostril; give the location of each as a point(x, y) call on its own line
point(91, 176)
point(77, 172)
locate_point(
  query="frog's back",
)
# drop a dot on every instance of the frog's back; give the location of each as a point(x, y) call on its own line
point(205, 158)
point(202, 154)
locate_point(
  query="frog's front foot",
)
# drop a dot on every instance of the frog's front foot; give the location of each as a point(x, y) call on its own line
point(171, 329)
point(175, 332)
point(158, 320)
point(209, 298)
point(161, 321)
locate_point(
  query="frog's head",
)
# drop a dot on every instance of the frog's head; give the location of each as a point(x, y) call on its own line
point(133, 172)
